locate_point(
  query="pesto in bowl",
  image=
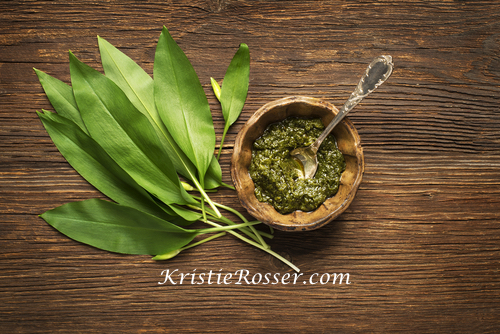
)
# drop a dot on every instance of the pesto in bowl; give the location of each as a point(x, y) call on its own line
point(277, 176)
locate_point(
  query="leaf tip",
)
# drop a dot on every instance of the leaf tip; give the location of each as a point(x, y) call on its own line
point(165, 32)
point(100, 40)
point(38, 73)
point(72, 57)
point(166, 256)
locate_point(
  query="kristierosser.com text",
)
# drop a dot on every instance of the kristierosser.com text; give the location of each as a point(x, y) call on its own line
point(243, 276)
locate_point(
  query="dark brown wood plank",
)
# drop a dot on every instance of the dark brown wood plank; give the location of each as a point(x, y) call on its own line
point(421, 241)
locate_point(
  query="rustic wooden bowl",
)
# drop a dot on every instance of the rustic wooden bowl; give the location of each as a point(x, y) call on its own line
point(348, 142)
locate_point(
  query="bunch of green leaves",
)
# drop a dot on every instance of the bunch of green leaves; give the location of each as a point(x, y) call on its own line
point(148, 145)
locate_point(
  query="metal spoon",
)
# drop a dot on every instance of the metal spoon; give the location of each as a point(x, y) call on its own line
point(376, 74)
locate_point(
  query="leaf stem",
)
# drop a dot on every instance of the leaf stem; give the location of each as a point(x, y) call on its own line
point(267, 250)
point(228, 221)
point(228, 186)
point(203, 211)
point(221, 234)
point(223, 228)
point(204, 194)
point(237, 213)
point(222, 140)
point(173, 253)
point(245, 230)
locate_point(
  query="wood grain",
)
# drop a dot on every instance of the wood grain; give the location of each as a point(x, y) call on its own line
point(421, 241)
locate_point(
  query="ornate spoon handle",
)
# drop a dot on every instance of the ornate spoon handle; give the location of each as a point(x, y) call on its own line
point(376, 74)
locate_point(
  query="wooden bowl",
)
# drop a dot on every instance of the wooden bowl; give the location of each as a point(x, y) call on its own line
point(348, 142)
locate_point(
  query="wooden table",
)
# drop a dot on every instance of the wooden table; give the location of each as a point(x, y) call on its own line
point(420, 242)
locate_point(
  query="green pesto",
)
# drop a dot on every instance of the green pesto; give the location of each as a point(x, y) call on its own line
point(276, 174)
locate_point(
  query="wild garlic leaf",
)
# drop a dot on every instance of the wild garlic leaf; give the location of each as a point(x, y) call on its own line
point(125, 133)
point(182, 103)
point(131, 78)
point(61, 97)
point(188, 216)
point(213, 178)
point(139, 88)
point(234, 88)
point(91, 161)
point(117, 228)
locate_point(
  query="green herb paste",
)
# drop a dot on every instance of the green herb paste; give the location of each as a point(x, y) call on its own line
point(277, 176)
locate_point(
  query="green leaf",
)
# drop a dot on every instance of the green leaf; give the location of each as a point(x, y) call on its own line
point(125, 133)
point(235, 85)
point(213, 178)
point(188, 216)
point(91, 161)
point(61, 97)
point(117, 228)
point(182, 103)
point(131, 78)
point(234, 89)
point(139, 88)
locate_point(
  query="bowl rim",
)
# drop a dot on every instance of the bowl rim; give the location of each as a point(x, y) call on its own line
point(285, 221)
